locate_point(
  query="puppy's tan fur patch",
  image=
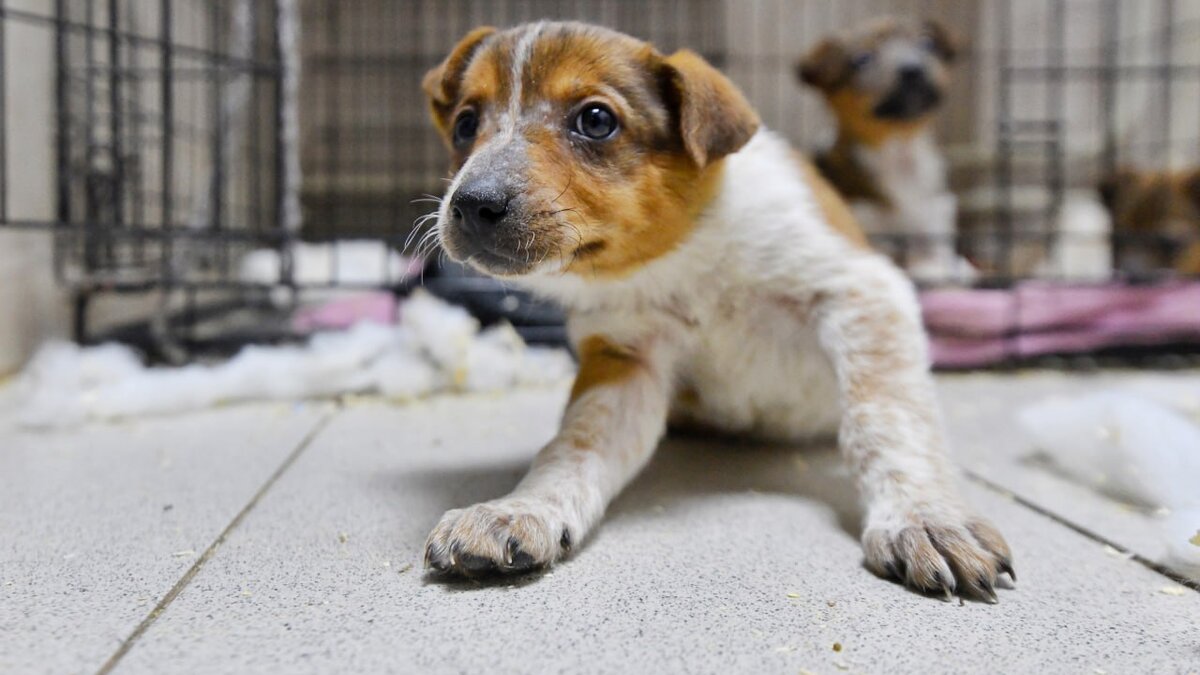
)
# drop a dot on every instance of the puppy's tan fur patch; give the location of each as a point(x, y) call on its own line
point(602, 362)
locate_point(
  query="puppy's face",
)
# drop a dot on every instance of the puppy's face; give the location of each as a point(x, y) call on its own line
point(577, 149)
point(1156, 220)
point(887, 74)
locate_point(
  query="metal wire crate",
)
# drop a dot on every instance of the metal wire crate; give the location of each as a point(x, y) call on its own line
point(185, 134)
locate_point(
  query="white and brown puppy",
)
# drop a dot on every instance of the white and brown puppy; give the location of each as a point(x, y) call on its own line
point(884, 82)
point(709, 274)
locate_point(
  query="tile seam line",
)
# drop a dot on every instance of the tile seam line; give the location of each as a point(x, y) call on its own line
point(184, 581)
point(1152, 565)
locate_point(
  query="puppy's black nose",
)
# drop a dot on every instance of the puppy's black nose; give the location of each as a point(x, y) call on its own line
point(911, 73)
point(479, 206)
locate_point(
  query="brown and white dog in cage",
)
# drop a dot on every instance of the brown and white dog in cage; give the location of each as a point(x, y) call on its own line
point(1156, 220)
point(884, 83)
point(710, 276)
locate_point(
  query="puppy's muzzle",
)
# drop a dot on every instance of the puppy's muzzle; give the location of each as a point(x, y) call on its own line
point(913, 96)
point(478, 210)
point(485, 226)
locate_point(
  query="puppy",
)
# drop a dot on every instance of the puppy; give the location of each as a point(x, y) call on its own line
point(884, 83)
point(1156, 220)
point(710, 276)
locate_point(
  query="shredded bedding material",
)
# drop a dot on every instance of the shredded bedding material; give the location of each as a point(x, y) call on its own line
point(436, 347)
point(1135, 446)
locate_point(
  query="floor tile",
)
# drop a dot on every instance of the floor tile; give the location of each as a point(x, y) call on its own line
point(97, 524)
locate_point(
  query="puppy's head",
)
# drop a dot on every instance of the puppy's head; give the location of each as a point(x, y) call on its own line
point(577, 149)
point(1155, 215)
point(884, 77)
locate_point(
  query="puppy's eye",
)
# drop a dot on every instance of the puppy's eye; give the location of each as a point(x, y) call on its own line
point(465, 128)
point(596, 122)
point(929, 44)
point(862, 60)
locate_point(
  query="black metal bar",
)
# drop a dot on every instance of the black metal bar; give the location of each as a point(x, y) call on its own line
point(255, 214)
point(1168, 58)
point(92, 180)
point(217, 83)
point(133, 171)
point(79, 316)
point(3, 119)
point(1004, 154)
point(63, 136)
point(167, 102)
point(1004, 169)
point(1108, 94)
point(115, 124)
point(333, 93)
point(281, 167)
point(1056, 111)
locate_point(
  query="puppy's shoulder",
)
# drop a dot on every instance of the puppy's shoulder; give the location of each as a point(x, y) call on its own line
point(771, 182)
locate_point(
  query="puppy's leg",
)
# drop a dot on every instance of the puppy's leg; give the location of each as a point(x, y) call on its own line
point(616, 417)
point(917, 527)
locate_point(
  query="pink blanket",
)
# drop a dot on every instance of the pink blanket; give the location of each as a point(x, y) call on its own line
point(971, 328)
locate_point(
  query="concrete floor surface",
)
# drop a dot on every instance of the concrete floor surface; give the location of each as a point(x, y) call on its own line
point(287, 538)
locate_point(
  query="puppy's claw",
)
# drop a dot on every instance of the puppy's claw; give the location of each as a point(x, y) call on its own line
point(518, 560)
point(510, 551)
point(1007, 568)
point(892, 571)
point(986, 592)
point(434, 561)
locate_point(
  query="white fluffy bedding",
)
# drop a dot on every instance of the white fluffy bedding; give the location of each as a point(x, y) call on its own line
point(436, 347)
point(1138, 444)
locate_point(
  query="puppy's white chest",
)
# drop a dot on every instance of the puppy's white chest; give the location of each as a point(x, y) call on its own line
point(908, 166)
point(757, 369)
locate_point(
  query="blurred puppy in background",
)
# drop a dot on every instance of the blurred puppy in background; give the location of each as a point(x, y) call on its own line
point(710, 276)
point(884, 83)
point(1156, 220)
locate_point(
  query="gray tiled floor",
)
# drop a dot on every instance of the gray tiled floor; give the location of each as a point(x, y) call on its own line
point(719, 558)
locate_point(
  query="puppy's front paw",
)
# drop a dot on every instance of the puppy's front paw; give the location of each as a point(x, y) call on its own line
point(938, 553)
point(506, 536)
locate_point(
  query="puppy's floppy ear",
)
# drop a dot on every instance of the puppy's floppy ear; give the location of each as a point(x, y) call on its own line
point(442, 83)
point(826, 66)
point(945, 42)
point(714, 118)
